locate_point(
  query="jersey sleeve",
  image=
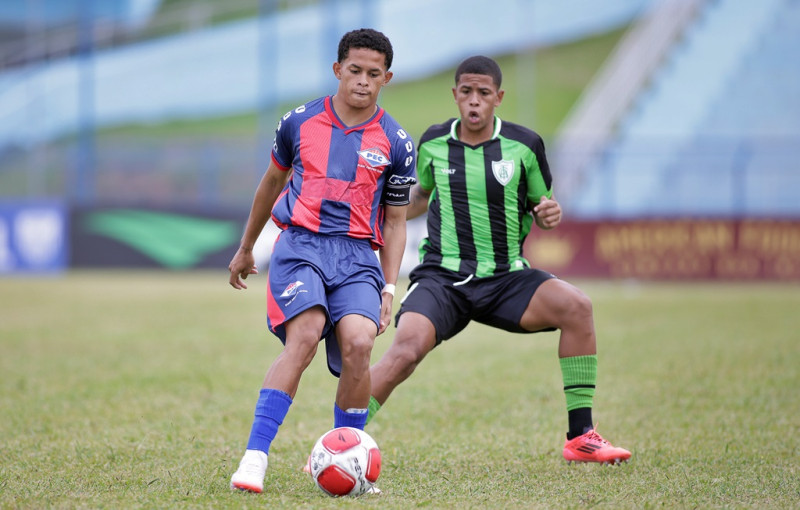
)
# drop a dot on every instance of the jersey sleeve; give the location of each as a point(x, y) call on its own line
point(397, 190)
point(540, 182)
point(283, 144)
point(424, 168)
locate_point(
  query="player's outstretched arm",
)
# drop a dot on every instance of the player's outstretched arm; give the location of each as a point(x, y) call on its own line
point(243, 263)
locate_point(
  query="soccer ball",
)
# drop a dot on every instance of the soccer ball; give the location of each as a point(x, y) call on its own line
point(345, 462)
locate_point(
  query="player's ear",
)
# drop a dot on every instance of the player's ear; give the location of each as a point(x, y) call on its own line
point(500, 94)
point(455, 94)
point(337, 70)
point(387, 77)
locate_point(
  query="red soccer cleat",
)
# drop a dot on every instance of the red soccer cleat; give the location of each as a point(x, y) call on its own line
point(591, 447)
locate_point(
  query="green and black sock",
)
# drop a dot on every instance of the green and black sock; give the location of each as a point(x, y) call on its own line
point(372, 408)
point(580, 376)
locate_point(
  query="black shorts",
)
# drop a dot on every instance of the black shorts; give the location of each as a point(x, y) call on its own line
point(451, 300)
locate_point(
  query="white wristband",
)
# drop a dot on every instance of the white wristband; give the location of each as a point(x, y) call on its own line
point(389, 288)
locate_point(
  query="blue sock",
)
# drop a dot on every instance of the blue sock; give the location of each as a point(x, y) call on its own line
point(356, 418)
point(271, 409)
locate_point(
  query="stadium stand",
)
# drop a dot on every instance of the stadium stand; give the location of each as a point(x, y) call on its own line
point(696, 112)
point(148, 81)
point(715, 132)
point(590, 124)
point(46, 29)
point(51, 107)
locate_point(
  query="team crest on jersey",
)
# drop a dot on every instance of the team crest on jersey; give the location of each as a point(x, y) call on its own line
point(374, 157)
point(503, 171)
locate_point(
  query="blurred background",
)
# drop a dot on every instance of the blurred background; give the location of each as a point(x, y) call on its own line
point(133, 132)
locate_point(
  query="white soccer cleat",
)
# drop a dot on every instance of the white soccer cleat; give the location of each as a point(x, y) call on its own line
point(250, 475)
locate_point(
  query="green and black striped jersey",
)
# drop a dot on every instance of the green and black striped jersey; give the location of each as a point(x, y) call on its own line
point(480, 209)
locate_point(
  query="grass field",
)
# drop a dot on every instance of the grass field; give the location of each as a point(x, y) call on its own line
point(136, 390)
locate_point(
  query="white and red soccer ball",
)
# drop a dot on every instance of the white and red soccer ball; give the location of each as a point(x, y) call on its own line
point(345, 462)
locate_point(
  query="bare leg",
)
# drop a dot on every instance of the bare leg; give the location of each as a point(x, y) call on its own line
point(303, 333)
point(356, 336)
point(558, 304)
point(561, 305)
point(414, 339)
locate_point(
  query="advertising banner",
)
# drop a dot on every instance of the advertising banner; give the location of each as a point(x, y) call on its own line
point(131, 237)
point(33, 237)
point(679, 249)
point(747, 249)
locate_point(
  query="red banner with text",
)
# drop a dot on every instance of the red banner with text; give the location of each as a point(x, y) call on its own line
point(670, 249)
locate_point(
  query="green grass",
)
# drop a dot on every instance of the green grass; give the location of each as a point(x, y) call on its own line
point(136, 390)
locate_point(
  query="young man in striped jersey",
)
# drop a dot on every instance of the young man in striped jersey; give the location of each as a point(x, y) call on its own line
point(484, 183)
point(338, 186)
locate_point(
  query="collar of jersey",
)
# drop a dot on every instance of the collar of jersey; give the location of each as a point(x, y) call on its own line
point(497, 125)
point(349, 129)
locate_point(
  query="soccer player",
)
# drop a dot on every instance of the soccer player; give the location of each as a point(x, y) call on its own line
point(484, 183)
point(338, 185)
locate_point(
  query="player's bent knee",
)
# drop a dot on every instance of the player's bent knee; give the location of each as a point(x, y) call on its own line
point(575, 312)
point(357, 348)
point(300, 352)
point(408, 353)
point(581, 305)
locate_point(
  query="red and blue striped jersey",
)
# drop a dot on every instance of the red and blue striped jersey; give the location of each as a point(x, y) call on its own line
point(342, 176)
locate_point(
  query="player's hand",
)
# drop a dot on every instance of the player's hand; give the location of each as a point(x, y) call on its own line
point(242, 265)
point(386, 311)
point(548, 213)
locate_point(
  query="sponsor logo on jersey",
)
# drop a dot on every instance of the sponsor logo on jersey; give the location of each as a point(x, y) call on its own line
point(448, 171)
point(374, 157)
point(503, 170)
point(291, 289)
point(400, 180)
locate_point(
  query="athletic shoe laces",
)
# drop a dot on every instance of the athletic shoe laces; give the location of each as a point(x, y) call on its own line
point(594, 437)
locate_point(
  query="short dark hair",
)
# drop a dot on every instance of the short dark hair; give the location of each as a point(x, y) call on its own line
point(480, 65)
point(369, 39)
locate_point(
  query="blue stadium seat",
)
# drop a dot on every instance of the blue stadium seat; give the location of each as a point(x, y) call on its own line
point(717, 131)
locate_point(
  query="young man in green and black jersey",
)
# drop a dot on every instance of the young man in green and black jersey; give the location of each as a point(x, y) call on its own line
point(484, 182)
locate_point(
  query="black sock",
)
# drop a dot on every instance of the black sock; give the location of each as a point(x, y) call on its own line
point(580, 422)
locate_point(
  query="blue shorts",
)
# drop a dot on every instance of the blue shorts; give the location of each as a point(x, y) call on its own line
point(338, 273)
